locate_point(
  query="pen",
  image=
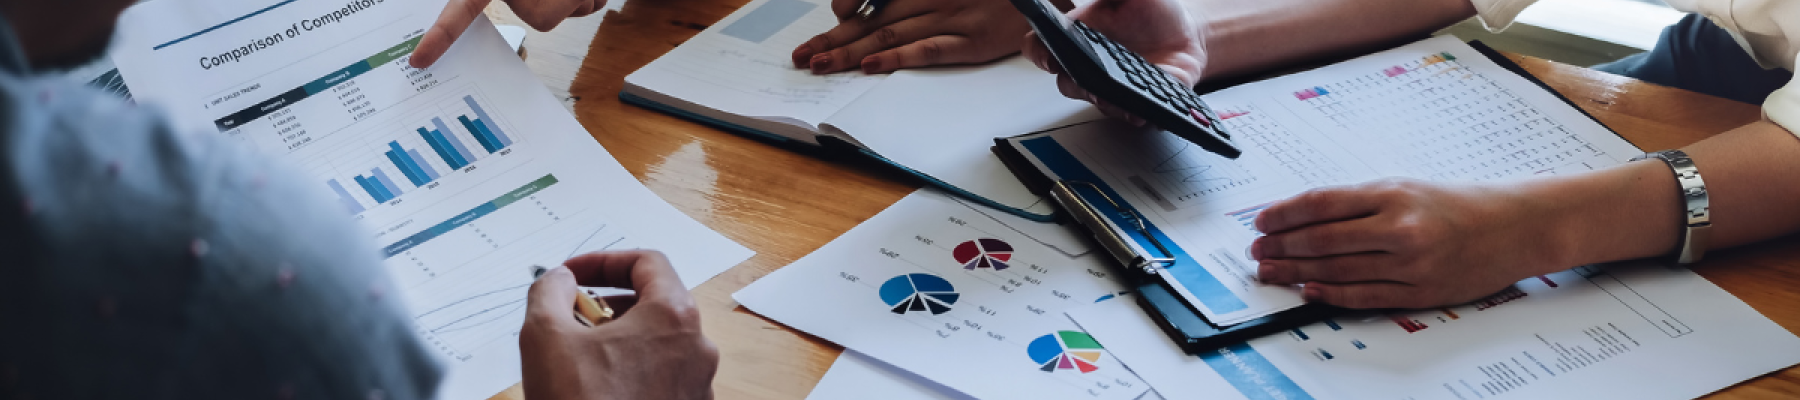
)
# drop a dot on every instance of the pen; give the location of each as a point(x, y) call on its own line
point(869, 7)
point(589, 309)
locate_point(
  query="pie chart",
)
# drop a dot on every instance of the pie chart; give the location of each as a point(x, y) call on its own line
point(983, 253)
point(1065, 350)
point(919, 293)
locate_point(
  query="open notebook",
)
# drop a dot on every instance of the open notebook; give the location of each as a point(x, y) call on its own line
point(936, 123)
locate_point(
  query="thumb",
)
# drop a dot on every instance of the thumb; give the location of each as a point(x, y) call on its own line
point(457, 16)
point(552, 298)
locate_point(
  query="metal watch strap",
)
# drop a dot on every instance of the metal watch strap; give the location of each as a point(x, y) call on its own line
point(1697, 219)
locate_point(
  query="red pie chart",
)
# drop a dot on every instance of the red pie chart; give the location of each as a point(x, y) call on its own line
point(983, 253)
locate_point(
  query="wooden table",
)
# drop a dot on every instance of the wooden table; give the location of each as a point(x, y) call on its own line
point(784, 205)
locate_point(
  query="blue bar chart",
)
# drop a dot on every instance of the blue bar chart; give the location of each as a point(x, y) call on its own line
point(423, 152)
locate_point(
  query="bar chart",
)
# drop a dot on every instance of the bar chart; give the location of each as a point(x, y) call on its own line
point(418, 153)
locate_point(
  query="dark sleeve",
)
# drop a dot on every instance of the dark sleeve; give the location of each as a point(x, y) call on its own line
point(147, 262)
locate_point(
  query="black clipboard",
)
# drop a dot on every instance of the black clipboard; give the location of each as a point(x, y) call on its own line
point(1186, 326)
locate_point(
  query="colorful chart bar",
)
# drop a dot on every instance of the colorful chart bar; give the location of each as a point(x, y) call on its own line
point(1310, 94)
point(454, 142)
point(493, 129)
point(316, 86)
point(416, 172)
point(445, 150)
point(344, 196)
point(382, 176)
point(1407, 323)
point(379, 186)
point(469, 216)
point(1247, 217)
point(420, 161)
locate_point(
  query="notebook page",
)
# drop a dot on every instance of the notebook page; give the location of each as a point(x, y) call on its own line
point(943, 121)
point(742, 66)
point(1435, 110)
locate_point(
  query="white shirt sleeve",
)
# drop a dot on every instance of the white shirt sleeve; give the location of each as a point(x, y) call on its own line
point(1783, 106)
point(1496, 15)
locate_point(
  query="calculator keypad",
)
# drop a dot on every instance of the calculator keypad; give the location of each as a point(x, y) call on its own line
point(1153, 81)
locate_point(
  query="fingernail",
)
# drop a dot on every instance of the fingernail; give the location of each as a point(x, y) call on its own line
point(800, 55)
point(1256, 249)
point(1312, 294)
point(871, 65)
point(1265, 273)
point(821, 62)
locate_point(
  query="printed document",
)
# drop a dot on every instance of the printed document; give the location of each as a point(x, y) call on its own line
point(937, 289)
point(469, 171)
point(1632, 331)
point(1436, 110)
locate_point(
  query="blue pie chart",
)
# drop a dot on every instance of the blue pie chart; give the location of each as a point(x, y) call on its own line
point(919, 293)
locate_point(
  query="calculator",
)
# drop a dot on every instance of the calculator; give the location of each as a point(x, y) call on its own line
point(1119, 76)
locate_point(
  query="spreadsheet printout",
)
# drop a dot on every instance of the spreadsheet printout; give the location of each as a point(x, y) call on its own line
point(1436, 110)
point(1629, 331)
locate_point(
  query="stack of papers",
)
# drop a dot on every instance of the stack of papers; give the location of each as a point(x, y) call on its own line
point(1436, 110)
point(468, 172)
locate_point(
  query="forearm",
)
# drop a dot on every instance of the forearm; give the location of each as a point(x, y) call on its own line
point(1245, 36)
point(1752, 175)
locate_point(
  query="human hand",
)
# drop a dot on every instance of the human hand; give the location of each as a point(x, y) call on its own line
point(1162, 31)
point(914, 33)
point(652, 350)
point(1406, 244)
point(542, 15)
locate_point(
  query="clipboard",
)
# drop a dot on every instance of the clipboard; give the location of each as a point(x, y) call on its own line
point(1138, 265)
point(1089, 209)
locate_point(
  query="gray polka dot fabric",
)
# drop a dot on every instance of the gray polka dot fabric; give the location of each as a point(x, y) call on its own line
point(142, 262)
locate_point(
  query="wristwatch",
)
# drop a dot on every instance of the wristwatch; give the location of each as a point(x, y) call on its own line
point(1697, 219)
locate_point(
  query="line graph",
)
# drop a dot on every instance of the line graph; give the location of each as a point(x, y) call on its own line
point(475, 321)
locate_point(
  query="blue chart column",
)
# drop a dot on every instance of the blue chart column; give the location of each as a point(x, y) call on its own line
point(398, 156)
point(374, 188)
point(443, 149)
point(386, 184)
point(448, 136)
point(493, 128)
point(480, 134)
point(419, 162)
point(344, 196)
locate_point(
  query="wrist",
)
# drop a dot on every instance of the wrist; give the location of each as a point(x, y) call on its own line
point(1621, 213)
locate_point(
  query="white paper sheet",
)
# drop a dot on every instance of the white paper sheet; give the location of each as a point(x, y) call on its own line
point(742, 65)
point(857, 376)
point(1635, 331)
point(1435, 110)
point(944, 120)
point(976, 303)
point(461, 217)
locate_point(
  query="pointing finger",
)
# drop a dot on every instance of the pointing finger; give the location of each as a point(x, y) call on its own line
point(457, 16)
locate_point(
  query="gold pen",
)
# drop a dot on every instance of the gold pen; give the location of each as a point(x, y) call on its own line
point(590, 310)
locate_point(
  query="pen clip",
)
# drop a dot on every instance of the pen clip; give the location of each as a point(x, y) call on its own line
point(866, 10)
point(1116, 242)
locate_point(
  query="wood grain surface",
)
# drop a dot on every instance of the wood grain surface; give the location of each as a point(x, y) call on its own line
point(784, 205)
